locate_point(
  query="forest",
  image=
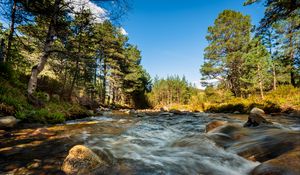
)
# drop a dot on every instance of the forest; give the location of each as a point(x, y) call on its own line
point(59, 51)
point(59, 60)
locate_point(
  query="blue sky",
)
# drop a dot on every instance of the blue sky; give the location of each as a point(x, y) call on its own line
point(171, 33)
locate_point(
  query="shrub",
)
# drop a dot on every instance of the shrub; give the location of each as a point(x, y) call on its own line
point(6, 71)
point(55, 118)
point(43, 96)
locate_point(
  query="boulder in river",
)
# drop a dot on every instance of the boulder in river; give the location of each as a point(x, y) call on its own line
point(214, 124)
point(286, 164)
point(132, 111)
point(81, 160)
point(295, 114)
point(176, 112)
point(168, 114)
point(164, 109)
point(140, 115)
point(256, 119)
point(257, 111)
point(8, 122)
point(256, 144)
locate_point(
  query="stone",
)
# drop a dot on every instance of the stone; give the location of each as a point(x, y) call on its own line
point(81, 160)
point(294, 114)
point(140, 115)
point(257, 111)
point(285, 164)
point(132, 111)
point(256, 119)
point(176, 112)
point(236, 112)
point(8, 122)
point(214, 124)
point(166, 114)
point(164, 109)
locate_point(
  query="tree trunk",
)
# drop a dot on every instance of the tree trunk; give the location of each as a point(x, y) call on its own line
point(273, 64)
point(11, 31)
point(104, 82)
point(74, 79)
point(261, 87)
point(261, 90)
point(36, 70)
point(2, 48)
point(274, 77)
point(291, 56)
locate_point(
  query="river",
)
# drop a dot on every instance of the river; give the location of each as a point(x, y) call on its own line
point(156, 145)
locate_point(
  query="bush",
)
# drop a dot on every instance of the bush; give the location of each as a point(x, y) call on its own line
point(56, 118)
point(6, 71)
point(43, 96)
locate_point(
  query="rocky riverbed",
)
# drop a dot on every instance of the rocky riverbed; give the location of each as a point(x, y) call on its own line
point(167, 143)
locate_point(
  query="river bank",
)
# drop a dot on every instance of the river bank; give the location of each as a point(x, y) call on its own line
point(165, 143)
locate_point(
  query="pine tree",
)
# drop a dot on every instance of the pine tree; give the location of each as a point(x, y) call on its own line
point(223, 56)
point(277, 10)
point(256, 67)
point(289, 46)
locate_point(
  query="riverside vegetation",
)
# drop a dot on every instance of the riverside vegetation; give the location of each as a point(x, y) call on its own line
point(62, 64)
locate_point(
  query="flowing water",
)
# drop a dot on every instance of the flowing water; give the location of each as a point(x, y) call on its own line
point(148, 145)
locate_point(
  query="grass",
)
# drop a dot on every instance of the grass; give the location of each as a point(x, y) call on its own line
point(283, 99)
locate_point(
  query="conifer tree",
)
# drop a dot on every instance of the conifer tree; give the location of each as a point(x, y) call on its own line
point(223, 56)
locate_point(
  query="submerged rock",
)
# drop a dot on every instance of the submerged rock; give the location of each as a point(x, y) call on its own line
point(166, 114)
point(256, 119)
point(176, 112)
point(294, 114)
point(140, 115)
point(214, 124)
point(81, 160)
point(8, 122)
point(256, 144)
point(132, 111)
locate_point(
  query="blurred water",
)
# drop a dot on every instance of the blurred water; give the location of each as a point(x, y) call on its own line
point(170, 145)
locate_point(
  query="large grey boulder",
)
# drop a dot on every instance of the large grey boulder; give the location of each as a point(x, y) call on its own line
point(8, 122)
point(83, 161)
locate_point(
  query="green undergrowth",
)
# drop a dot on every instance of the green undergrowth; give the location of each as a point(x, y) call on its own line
point(13, 101)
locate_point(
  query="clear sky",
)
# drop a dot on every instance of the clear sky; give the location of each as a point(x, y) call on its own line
point(171, 33)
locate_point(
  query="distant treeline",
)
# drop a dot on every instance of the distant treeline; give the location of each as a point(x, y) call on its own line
point(171, 90)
